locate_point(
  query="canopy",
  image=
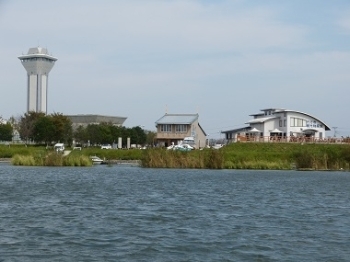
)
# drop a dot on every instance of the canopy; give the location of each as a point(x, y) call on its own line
point(254, 130)
point(310, 130)
point(276, 130)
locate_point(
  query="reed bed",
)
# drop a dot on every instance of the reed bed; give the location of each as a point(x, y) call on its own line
point(281, 156)
point(21, 160)
point(114, 154)
point(77, 160)
point(161, 158)
point(51, 159)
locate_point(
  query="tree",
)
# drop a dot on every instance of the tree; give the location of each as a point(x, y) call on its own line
point(44, 129)
point(93, 134)
point(63, 128)
point(6, 131)
point(26, 124)
point(137, 135)
point(150, 137)
point(105, 133)
point(80, 134)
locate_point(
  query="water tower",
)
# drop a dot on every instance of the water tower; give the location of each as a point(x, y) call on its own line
point(38, 64)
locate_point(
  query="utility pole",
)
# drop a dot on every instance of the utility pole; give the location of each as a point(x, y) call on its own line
point(335, 131)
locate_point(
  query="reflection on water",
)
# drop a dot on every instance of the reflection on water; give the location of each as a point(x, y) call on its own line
point(132, 214)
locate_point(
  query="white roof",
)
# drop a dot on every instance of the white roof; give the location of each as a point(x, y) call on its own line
point(36, 52)
point(260, 120)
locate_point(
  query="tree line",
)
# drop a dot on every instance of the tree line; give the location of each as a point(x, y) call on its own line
point(40, 128)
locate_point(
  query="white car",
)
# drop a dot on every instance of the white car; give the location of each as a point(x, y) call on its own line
point(59, 147)
point(107, 146)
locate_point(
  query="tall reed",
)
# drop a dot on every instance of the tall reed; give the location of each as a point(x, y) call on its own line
point(162, 158)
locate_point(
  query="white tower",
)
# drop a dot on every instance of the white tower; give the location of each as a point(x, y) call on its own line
point(38, 65)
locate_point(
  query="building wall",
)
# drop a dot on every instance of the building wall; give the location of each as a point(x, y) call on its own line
point(311, 123)
point(32, 92)
point(43, 94)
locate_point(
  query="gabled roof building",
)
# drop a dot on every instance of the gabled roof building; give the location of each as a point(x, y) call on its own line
point(173, 128)
point(280, 124)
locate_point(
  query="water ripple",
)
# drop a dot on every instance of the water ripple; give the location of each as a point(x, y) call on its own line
point(134, 214)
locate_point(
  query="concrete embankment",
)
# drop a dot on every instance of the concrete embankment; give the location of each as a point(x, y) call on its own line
point(124, 162)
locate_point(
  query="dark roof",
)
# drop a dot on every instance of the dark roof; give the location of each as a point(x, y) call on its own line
point(93, 119)
point(247, 128)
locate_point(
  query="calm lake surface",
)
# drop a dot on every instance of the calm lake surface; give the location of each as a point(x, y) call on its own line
point(123, 213)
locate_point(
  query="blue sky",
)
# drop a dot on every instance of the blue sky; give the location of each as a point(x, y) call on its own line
point(222, 59)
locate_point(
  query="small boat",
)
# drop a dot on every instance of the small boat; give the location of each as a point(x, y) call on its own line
point(96, 160)
point(183, 147)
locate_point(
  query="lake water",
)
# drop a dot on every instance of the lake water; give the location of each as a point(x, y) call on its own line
point(122, 213)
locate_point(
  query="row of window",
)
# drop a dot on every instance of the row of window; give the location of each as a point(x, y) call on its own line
point(37, 59)
point(178, 128)
point(298, 122)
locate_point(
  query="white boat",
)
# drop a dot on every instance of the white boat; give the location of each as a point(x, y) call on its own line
point(96, 160)
point(183, 147)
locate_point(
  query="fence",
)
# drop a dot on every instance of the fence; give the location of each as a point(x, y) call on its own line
point(291, 139)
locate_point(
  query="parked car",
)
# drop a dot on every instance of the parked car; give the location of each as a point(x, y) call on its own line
point(59, 147)
point(106, 146)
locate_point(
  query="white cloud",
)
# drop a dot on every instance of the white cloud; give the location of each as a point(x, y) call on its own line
point(134, 57)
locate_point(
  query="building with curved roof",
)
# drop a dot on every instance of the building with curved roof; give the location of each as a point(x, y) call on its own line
point(282, 124)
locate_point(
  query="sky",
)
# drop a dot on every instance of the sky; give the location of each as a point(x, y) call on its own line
point(222, 59)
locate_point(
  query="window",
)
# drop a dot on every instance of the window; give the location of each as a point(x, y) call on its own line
point(165, 128)
point(285, 122)
point(280, 123)
point(298, 122)
point(181, 128)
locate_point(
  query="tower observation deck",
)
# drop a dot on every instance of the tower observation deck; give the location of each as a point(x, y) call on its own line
point(38, 64)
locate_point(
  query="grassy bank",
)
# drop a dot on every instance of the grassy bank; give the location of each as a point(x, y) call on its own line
point(277, 156)
point(287, 156)
point(12, 150)
point(282, 156)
